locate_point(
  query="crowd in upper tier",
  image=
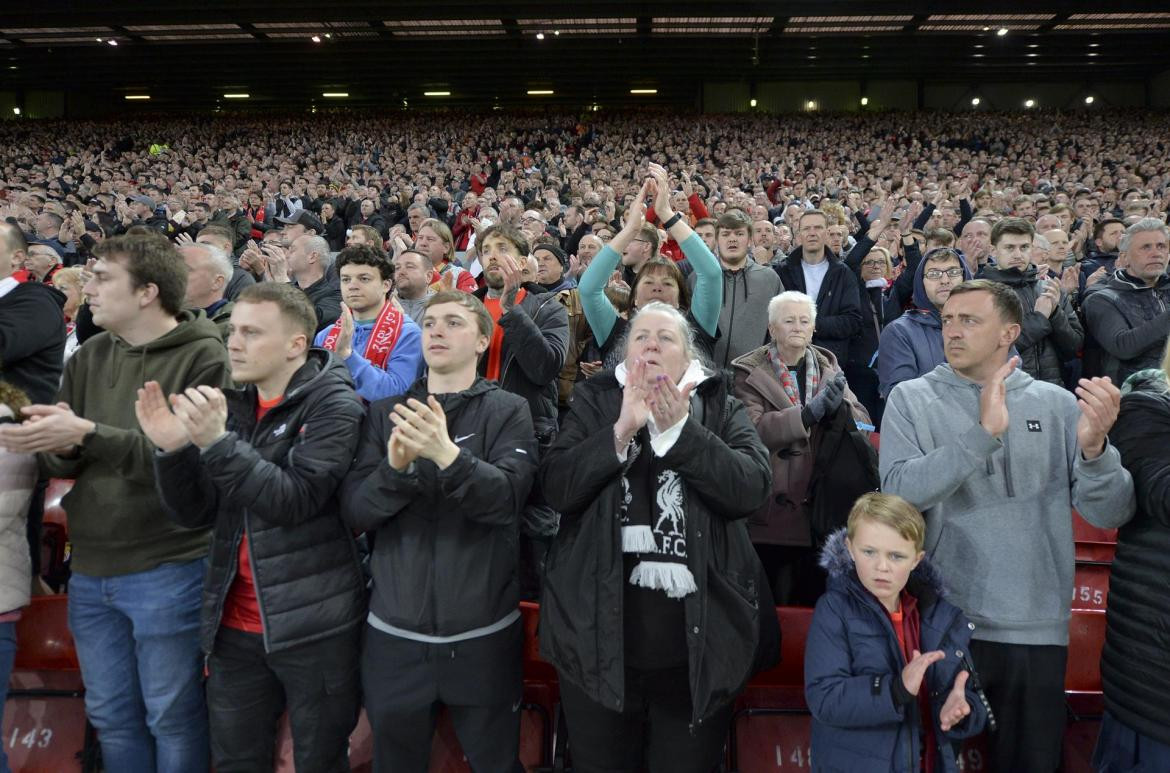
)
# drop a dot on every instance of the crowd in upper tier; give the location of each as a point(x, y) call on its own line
point(342, 389)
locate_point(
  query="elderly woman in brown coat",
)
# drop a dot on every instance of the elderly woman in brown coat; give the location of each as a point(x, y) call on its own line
point(788, 387)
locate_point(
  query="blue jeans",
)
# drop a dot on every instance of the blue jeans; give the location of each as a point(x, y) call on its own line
point(137, 641)
point(7, 659)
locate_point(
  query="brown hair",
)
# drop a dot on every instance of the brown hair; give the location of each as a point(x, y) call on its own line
point(365, 255)
point(294, 305)
point(371, 233)
point(150, 259)
point(733, 218)
point(659, 265)
point(441, 230)
point(483, 319)
point(508, 233)
point(1017, 226)
point(1006, 302)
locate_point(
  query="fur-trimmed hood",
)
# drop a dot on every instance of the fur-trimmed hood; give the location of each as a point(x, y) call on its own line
point(835, 560)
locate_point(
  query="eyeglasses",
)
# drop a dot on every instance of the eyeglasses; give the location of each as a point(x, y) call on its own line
point(938, 273)
point(873, 263)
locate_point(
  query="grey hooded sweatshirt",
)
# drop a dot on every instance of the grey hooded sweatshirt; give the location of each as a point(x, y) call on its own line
point(743, 319)
point(998, 510)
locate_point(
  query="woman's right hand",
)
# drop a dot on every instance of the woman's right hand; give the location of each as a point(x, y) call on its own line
point(634, 411)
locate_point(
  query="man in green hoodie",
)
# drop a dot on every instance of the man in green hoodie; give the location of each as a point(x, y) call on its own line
point(134, 597)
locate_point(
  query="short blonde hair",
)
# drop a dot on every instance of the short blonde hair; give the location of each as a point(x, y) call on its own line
point(68, 276)
point(888, 510)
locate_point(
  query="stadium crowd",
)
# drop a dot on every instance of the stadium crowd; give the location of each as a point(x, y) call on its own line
point(337, 391)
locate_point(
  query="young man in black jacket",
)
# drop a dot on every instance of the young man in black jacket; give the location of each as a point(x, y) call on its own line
point(32, 325)
point(284, 595)
point(440, 477)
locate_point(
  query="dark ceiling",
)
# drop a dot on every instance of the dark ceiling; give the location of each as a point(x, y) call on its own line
point(189, 54)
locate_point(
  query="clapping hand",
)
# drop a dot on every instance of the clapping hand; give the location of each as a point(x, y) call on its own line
point(993, 414)
point(1100, 402)
point(956, 708)
point(421, 430)
point(160, 425)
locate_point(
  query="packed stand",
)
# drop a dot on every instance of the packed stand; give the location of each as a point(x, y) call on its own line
point(387, 375)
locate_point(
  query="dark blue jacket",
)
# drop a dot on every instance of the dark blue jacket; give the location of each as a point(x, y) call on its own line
point(912, 345)
point(852, 659)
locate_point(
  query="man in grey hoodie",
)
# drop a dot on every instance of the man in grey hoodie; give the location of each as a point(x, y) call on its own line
point(747, 288)
point(996, 460)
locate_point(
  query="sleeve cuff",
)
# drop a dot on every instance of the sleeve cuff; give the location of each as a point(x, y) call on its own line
point(662, 442)
point(979, 442)
point(899, 692)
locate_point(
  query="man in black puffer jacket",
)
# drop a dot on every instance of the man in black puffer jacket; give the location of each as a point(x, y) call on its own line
point(1135, 662)
point(440, 478)
point(1051, 333)
point(284, 595)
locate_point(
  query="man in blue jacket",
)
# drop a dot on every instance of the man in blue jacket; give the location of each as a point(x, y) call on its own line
point(912, 345)
point(377, 340)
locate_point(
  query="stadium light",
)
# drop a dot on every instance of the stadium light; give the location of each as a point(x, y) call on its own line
point(539, 92)
point(975, 101)
point(112, 42)
point(1002, 31)
point(1030, 103)
point(540, 36)
point(753, 102)
point(810, 105)
point(436, 93)
point(1088, 100)
point(643, 91)
point(864, 101)
point(16, 111)
point(137, 96)
point(316, 38)
point(236, 96)
point(335, 94)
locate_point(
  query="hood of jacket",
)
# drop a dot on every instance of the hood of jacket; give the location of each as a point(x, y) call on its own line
point(747, 276)
point(1012, 277)
point(922, 304)
point(1122, 280)
point(193, 326)
point(838, 563)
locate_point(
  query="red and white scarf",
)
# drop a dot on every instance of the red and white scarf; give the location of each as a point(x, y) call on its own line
point(382, 339)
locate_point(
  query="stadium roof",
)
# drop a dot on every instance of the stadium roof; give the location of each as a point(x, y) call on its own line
point(189, 54)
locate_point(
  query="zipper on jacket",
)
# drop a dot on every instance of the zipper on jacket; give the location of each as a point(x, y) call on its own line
point(256, 585)
point(1007, 466)
point(730, 315)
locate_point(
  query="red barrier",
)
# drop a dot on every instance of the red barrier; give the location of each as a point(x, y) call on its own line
point(1093, 545)
point(1091, 587)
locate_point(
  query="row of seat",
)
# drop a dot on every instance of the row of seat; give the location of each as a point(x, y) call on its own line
point(44, 719)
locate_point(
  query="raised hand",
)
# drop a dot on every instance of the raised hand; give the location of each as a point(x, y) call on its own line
point(915, 671)
point(158, 423)
point(635, 408)
point(956, 708)
point(1049, 298)
point(661, 192)
point(668, 404)
point(1099, 401)
point(203, 413)
point(993, 413)
point(422, 430)
point(344, 346)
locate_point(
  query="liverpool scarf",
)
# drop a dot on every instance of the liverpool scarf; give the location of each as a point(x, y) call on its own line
point(385, 334)
point(654, 511)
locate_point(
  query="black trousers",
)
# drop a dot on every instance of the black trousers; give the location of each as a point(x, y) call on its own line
point(480, 681)
point(1025, 687)
point(653, 731)
point(796, 579)
point(248, 690)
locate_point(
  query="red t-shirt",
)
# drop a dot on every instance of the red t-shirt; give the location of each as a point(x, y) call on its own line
point(496, 347)
point(241, 610)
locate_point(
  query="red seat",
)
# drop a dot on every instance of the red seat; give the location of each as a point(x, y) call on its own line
point(1093, 544)
point(1082, 676)
point(54, 512)
point(777, 692)
point(43, 639)
point(875, 440)
point(1091, 586)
